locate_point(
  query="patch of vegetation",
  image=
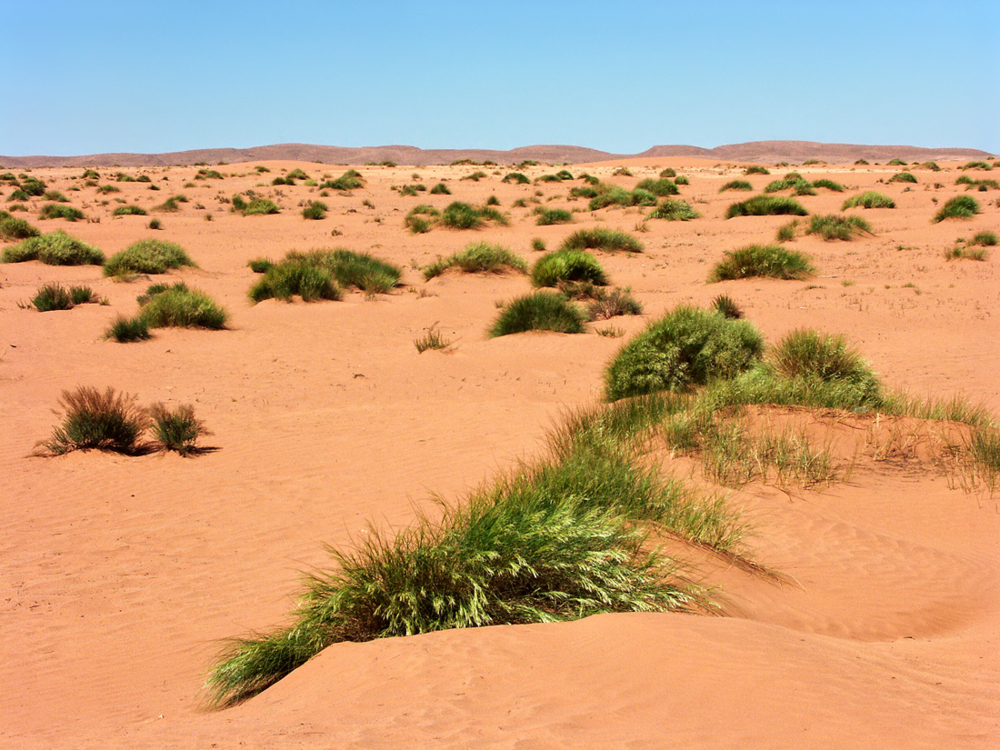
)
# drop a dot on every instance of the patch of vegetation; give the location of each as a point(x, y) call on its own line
point(598, 238)
point(130, 210)
point(983, 165)
point(736, 185)
point(432, 339)
point(965, 253)
point(985, 238)
point(261, 207)
point(13, 228)
point(176, 430)
point(836, 187)
point(786, 232)
point(959, 207)
point(807, 355)
point(727, 307)
point(32, 186)
point(147, 256)
point(474, 176)
point(170, 205)
point(672, 210)
point(869, 199)
point(179, 306)
point(295, 277)
point(58, 211)
point(547, 216)
point(766, 205)
point(605, 305)
point(55, 196)
point(754, 169)
point(479, 257)
point(684, 348)
point(98, 420)
point(460, 215)
point(517, 178)
point(54, 249)
point(105, 189)
point(838, 227)
point(350, 180)
point(567, 264)
point(661, 188)
point(421, 218)
point(933, 166)
point(902, 177)
point(583, 192)
point(440, 189)
point(799, 185)
point(538, 311)
point(770, 261)
point(682, 180)
point(612, 195)
point(315, 210)
point(56, 297)
point(128, 330)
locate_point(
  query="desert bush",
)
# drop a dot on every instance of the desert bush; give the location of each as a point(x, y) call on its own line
point(147, 256)
point(800, 186)
point(786, 232)
point(440, 189)
point(609, 240)
point(176, 430)
point(517, 178)
point(766, 205)
point(288, 278)
point(203, 174)
point(178, 306)
point(12, 228)
point(82, 295)
point(90, 174)
point(965, 253)
point(127, 330)
point(32, 186)
point(105, 189)
point(686, 347)
point(985, 238)
point(538, 311)
point(261, 207)
point(736, 185)
point(297, 174)
point(479, 257)
point(870, 199)
point(674, 210)
point(96, 420)
point(896, 163)
point(54, 249)
point(460, 215)
point(315, 210)
point(659, 188)
point(549, 216)
point(959, 207)
point(18, 195)
point(762, 260)
point(931, 165)
point(727, 307)
point(809, 355)
point(57, 211)
point(668, 172)
point(838, 227)
point(829, 185)
point(567, 264)
point(350, 180)
point(131, 210)
point(170, 205)
point(583, 192)
point(52, 297)
point(352, 269)
point(682, 180)
point(754, 169)
point(902, 177)
point(55, 196)
point(611, 304)
point(984, 165)
point(861, 162)
point(155, 224)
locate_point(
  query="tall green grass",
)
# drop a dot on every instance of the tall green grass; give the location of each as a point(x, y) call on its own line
point(54, 249)
point(147, 256)
point(766, 205)
point(762, 260)
point(479, 257)
point(959, 207)
point(870, 199)
point(609, 240)
point(567, 265)
point(538, 311)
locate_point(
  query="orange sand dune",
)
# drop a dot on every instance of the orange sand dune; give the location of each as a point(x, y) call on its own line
point(122, 575)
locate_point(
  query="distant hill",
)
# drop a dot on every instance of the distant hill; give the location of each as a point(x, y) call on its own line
point(768, 152)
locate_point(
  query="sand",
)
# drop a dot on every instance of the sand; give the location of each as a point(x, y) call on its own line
point(121, 576)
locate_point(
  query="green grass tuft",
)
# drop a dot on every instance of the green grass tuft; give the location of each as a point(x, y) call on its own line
point(756, 170)
point(479, 257)
point(549, 216)
point(661, 188)
point(130, 210)
point(766, 205)
point(808, 355)
point(176, 430)
point(54, 249)
point(95, 420)
point(13, 228)
point(838, 227)
point(147, 256)
point(261, 207)
point(539, 311)
point(567, 264)
point(672, 210)
point(736, 185)
point(609, 240)
point(178, 306)
point(985, 238)
point(902, 177)
point(829, 185)
point(57, 211)
point(440, 189)
point(959, 207)
point(870, 199)
point(127, 330)
point(762, 261)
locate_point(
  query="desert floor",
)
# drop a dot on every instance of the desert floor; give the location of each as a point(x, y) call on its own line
point(120, 577)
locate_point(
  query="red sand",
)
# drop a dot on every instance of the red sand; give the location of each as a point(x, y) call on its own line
point(121, 575)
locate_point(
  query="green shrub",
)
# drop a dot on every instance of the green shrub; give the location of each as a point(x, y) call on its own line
point(516, 177)
point(130, 210)
point(432, 339)
point(351, 269)
point(684, 348)
point(539, 311)
point(553, 216)
point(869, 199)
point(986, 239)
point(170, 204)
point(90, 174)
point(18, 195)
point(756, 170)
point(538, 245)
point(479, 257)
point(609, 240)
point(127, 330)
point(52, 297)
point(55, 249)
point(297, 174)
point(977, 165)
point(460, 215)
point(896, 163)
point(659, 188)
point(766, 205)
point(261, 206)
point(289, 278)
point(567, 264)
point(105, 189)
point(959, 207)
point(583, 192)
point(902, 177)
point(668, 172)
point(147, 256)
point(350, 180)
point(736, 185)
point(55, 196)
point(809, 355)
point(32, 186)
point(838, 227)
point(155, 224)
point(564, 174)
point(829, 185)
point(203, 174)
point(440, 189)
point(315, 210)
point(933, 166)
point(260, 265)
point(416, 222)
point(176, 430)
point(82, 295)
point(178, 306)
point(762, 260)
point(672, 210)
point(12, 228)
point(95, 420)
point(861, 162)
point(683, 180)
point(58, 211)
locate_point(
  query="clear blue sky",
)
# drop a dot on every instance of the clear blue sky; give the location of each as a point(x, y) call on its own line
point(90, 76)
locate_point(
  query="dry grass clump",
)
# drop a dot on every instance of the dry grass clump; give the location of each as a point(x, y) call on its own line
point(98, 420)
point(147, 256)
point(604, 305)
point(54, 249)
point(56, 297)
point(538, 311)
point(432, 339)
point(479, 257)
point(764, 261)
point(176, 430)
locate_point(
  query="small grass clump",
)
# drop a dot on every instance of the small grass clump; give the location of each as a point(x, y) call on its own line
point(179, 306)
point(350, 180)
point(684, 348)
point(421, 218)
point(796, 183)
point(295, 277)
point(609, 240)
point(959, 207)
point(58, 211)
point(54, 249)
point(539, 311)
point(838, 227)
point(56, 297)
point(807, 355)
point(92, 420)
point(130, 210)
point(836, 187)
point(261, 207)
point(440, 189)
point(549, 216)
point(517, 178)
point(870, 199)
point(147, 256)
point(736, 185)
point(460, 215)
point(754, 169)
point(13, 228)
point(315, 210)
point(983, 165)
point(567, 264)
point(55, 196)
point(965, 253)
point(352, 269)
point(660, 188)
point(177, 430)
point(260, 265)
point(674, 210)
point(985, 239)
point(479, 257)
point(786, 232)
point(902, 177)
point(128, 330)
point(605, 305)
point(766, 205)
point(432, 339)
point(770, 261)
point(727, 307)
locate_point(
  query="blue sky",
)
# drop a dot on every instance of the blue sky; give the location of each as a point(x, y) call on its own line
point(89, 77)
